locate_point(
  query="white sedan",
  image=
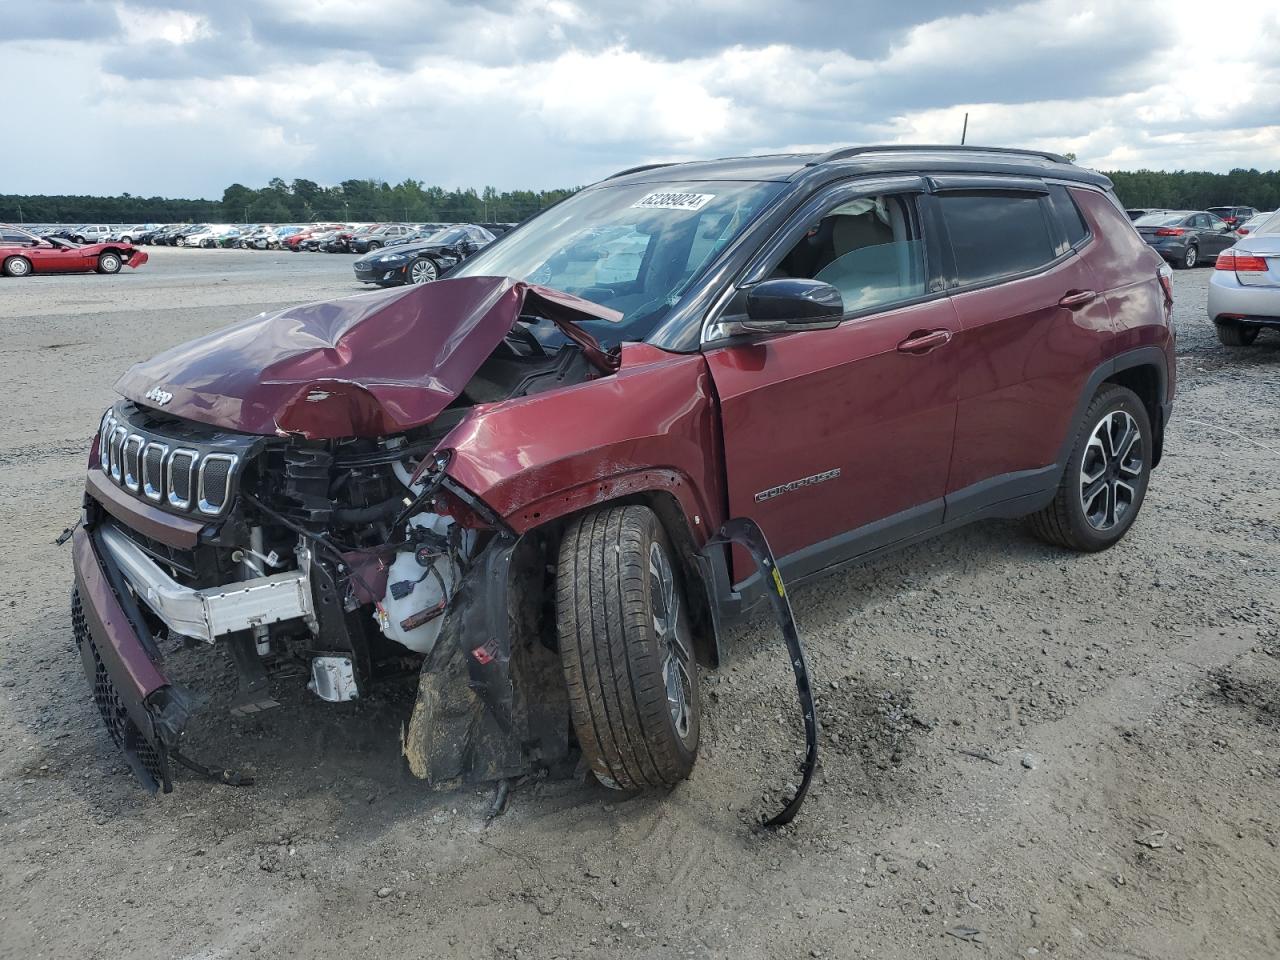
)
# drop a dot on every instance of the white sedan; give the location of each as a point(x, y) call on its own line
point(1244, 291)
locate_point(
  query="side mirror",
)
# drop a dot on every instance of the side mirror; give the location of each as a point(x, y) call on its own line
point(788, 305)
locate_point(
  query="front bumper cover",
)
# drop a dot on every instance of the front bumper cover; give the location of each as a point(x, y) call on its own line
point(143, 711)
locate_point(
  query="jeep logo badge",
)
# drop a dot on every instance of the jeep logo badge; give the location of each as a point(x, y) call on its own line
point(158, 396)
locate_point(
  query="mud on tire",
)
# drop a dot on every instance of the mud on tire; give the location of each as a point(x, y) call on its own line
point(627, 655)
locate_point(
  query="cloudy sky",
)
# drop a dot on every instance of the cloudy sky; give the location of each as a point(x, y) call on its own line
point(183, 98)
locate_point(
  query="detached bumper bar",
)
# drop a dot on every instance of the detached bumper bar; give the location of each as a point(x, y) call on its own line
point(143, 712)
point(209, 613)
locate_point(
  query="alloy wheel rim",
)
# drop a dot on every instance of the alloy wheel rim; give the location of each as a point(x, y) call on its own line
point(669, 630)
point(1191, 257)
point(1110, 470)
point(19, 268)
point(423, 271)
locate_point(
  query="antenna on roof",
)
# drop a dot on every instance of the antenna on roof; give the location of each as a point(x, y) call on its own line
point(964, 131)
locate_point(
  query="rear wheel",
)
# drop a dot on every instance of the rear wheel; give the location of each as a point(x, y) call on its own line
point(17, 267)
point(109, 263)
point(1235, 334)
point(627, 650)
point(1105, 481)
point(1190, 258)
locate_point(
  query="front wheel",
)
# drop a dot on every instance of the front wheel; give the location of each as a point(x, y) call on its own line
point(627, 650)
point(109, 263)
point(1236, 334)
point(1105, 481)
point(423, 270)
point(17, 267)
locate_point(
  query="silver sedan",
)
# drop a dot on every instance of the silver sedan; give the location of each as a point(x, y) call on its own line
point(1244, 291)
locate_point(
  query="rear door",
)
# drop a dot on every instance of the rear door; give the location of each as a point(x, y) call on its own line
point(838, 441)
point(1033, 328)
point(1215, 235)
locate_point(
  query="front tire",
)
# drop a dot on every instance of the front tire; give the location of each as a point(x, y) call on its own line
point(1236, 334)
point(423, 270)
point(627, 650)
point(1105, 482)
point(109, 263)
point(17, 267)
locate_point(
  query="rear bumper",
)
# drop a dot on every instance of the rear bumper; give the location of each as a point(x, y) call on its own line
point(1228, 296)
point(138, 258)
point(143, 712)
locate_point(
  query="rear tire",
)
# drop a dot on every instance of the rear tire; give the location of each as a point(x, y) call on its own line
point(627, 650)
point(1189, 259)
point(17, 267)
point(109, 263)
point(1236, 334)
point(1105, 482)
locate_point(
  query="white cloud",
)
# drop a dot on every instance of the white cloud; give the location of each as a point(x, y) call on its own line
point(199, 97)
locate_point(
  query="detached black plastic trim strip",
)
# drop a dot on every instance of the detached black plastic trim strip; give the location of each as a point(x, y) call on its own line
point(747, 533)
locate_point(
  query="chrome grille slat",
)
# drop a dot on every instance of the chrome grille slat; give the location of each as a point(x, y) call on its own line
point(188, 479)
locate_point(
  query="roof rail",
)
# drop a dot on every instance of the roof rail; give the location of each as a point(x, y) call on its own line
point(639, 169)
point(845, 152)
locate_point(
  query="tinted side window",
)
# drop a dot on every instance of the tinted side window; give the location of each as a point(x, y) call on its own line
point(995, 234)
point(1068, 215)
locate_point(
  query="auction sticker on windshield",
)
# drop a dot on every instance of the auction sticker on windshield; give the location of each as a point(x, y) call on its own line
point(675, 201)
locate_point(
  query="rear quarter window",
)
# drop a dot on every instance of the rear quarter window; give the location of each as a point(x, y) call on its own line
point(997, 234)
point(1068, 215)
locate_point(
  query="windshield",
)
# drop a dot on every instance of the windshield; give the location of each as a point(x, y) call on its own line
point(633, 248)
point(1160, 220)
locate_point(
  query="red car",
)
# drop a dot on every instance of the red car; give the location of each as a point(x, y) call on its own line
point(23, 253)
point(294, 241)
point(522, 481)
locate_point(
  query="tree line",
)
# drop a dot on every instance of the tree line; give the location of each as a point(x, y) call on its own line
point(413, 201)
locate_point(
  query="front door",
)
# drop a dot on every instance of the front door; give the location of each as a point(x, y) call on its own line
point(838, 441)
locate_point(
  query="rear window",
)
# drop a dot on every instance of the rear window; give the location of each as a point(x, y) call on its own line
point(1160, 220)
point(1068, 215)
point(996, 234)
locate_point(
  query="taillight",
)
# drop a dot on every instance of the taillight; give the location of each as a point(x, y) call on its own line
point(1170, 232)
point(1166, 283)
point(1243, 231)
point(1240, 262)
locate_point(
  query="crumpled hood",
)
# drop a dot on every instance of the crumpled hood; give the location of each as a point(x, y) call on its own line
point(363, 366)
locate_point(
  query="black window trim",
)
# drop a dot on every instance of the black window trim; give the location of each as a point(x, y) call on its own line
point(788, 233)
point(998, 185)
point(1088, 227)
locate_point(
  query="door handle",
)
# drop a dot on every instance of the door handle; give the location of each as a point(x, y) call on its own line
point(1076, 298)
point(922, 341)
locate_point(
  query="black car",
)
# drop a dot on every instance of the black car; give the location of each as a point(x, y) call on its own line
point(425, 260)
point(1186, 237)
point(1233, 215)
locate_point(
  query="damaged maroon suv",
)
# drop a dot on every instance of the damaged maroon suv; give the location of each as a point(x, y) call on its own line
point(520, 483)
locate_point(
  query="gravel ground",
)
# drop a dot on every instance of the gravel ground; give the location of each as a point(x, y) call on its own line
point(1026, 752)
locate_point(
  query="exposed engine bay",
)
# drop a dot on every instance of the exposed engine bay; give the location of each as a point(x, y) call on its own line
point(346, 556)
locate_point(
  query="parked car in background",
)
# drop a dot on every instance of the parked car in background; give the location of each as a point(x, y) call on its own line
point(513, 479)
point(91, 233)
point(1244, 291)
point(295, 241)
point(1233, 215)
point(1253, 223)
point(1185, 237)
point(129, 234)
point(1135, 212)
point(23, 253)
point(424, 260)
point(378, 236)
point(419, 232)
point(498, 229)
